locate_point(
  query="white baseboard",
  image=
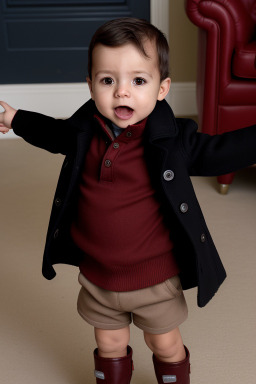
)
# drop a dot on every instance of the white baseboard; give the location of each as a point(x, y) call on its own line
point(182, 99)
point(62, 100)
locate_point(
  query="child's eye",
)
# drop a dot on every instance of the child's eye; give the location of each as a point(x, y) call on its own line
point(107, 81)
point(139, 81)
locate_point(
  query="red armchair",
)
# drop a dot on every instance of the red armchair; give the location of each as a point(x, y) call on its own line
point(226, 78)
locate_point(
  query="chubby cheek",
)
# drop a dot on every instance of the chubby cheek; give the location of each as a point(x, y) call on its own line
point(102, 103)
point(147, 104)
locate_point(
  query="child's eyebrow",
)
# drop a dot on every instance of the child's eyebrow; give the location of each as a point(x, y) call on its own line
point(104, 72)
point(142, 73)
point(111, 72)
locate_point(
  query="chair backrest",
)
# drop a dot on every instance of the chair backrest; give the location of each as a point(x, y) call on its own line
point(250, 5)
point(241, 12)
point(224, 25)
point(244, 15)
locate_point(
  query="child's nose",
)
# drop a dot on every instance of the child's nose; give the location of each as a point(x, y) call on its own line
point(122, 91)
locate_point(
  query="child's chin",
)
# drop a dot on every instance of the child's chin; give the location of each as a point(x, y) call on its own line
point(125, 125)
point(122, 123)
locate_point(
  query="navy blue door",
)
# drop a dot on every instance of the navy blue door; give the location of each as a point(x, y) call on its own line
point(46, 41)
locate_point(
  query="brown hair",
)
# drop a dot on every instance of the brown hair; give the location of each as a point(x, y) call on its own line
point(118, 32)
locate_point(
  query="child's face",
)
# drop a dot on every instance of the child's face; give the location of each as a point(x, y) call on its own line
point(125, 84)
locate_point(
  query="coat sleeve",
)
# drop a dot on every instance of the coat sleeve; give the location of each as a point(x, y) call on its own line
point(219, 154)
point(53, 135)
point(43, 131)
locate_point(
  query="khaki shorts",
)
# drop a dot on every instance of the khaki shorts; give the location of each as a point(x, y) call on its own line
point(157, 309)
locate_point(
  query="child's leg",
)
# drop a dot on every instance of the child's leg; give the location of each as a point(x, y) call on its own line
point(113, 357)
point(167, 347)
point(170, 357)
point(112, 343)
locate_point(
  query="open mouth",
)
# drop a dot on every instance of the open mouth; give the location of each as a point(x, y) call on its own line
point(124, 112)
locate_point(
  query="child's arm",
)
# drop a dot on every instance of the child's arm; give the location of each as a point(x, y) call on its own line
point(39, 130)
point(53, 135)
point(219, 154)
point(6, 117)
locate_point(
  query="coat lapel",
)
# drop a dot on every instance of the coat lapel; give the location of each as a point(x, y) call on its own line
point(161, 123)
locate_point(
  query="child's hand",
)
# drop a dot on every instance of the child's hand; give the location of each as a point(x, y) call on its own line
point(6, 117)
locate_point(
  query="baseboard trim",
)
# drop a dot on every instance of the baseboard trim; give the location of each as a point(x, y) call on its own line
point(62, 100)
point(182, 98)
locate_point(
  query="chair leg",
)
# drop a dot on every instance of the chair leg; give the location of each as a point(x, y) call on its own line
point(223, 188)
point(225, 181)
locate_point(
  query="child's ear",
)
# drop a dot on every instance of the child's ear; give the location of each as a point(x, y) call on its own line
point(164, 88)
point(89, 81)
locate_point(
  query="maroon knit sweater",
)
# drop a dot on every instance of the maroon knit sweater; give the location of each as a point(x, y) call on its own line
point(118, 224)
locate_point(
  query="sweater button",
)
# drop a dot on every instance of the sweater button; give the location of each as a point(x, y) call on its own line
point(184, 207)
point(168, 175)
point(116, 145)
point(108, 163)
point(128, 134)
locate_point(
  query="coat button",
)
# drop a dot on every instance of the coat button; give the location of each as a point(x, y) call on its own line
point(203, 238)
point(116, 145)
point(128, 134)
point(57, 201)
point(56, 233)
point(168, 175)
point(108, 163)
point(184, 207)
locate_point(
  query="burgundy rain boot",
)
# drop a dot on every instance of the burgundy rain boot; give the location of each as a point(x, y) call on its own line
point(172, 372)
point(113, 371)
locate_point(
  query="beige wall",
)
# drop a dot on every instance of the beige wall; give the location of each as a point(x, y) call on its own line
point(183, 44)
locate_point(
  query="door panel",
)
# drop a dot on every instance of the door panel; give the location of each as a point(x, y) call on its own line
point(46, 41)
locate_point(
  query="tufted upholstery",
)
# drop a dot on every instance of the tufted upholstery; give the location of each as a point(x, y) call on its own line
point(226, 79)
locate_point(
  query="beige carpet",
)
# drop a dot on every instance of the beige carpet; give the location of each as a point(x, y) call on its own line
point(43, 340)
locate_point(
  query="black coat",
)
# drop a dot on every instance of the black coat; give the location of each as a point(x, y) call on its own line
point(174, 151)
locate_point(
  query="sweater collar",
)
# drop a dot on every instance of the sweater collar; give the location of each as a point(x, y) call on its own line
point(134, 131)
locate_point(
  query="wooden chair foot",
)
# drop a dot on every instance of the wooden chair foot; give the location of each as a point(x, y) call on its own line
point(224, 189)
